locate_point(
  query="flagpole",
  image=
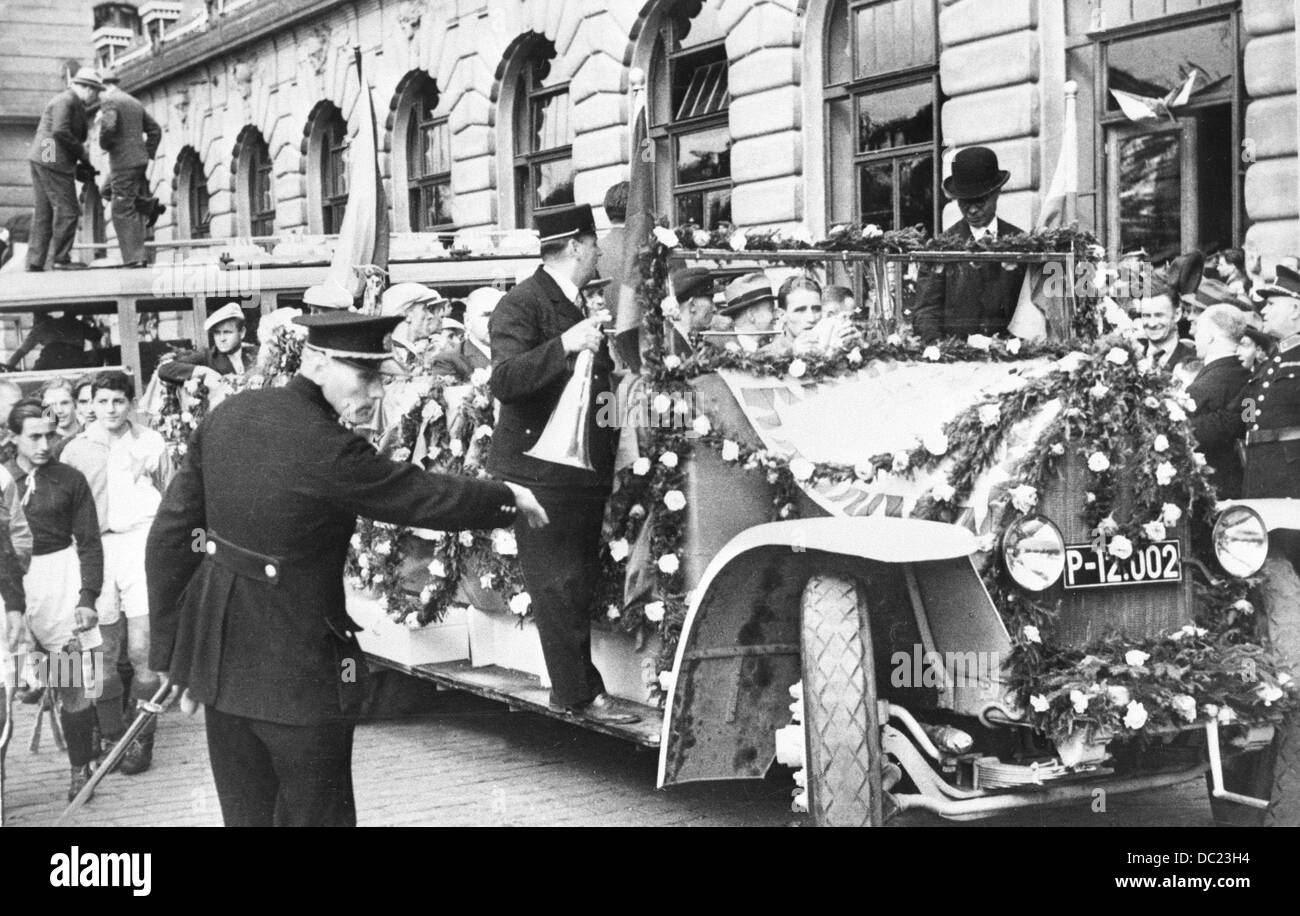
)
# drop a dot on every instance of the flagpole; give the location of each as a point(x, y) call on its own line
point(1071, 105)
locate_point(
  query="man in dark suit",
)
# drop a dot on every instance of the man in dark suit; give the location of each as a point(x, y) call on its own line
point(1160, 313)
point(58, 158)
point(538, 331)
point(1217, 421)
point(474, 351)
point(226, 353)
point(131, 138)
point(957, 300)
point(248, 613)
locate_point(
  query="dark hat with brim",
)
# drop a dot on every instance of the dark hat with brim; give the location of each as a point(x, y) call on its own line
point(1255, 330)
point(1214, 292)
point(455, 317)
point(689, 282)
point(746, 291)
point(359, 340)
point(597, 285)
point(1181, 277)
point(564, 223)
point(975, 173)
point(1287, 284)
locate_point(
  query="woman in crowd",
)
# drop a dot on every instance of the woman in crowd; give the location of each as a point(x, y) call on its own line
point(81, 395)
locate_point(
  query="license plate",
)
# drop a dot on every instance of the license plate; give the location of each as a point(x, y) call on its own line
point(1088, 567)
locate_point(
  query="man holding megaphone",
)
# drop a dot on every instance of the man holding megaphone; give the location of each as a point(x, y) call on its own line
point(550, 364)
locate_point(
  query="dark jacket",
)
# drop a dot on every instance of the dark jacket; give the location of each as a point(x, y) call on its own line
point(126, 131)
point(273, 473)
point(60, 509)
point(180, 369)
point(60, 141)
point(459, 362)
point(529, 372)
point(1217, 420)
point(1184, 352)
point(964, 298)
point(1271, 403)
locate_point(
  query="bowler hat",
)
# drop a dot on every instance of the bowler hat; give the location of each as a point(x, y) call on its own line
point(742, 292)
point(88, 76)
point(975, 173)
point(689, 282)
point(1287, 284)
point(565, 222)
point(360, 340)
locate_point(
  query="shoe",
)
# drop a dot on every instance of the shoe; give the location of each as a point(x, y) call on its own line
point(106, 746)
point(134, 264)
point(30, 695)
point(33, 269)
point(138, 756)
point(69, 265)
point(603, 710)
point(80, 776)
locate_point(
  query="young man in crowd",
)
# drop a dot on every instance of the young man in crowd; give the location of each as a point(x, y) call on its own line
point(226, 353)
point(62, 408)
point(64, 580)
point(127, 468)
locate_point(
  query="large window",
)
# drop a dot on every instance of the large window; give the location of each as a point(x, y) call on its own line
point(333, 154)
point(688, 117)
point(882, 113)
point(543, 136)
point(197, 218)
point(1170, 112)
point(428, 165)
point(261, 189)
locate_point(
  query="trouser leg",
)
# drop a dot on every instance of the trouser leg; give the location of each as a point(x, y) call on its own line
point(145, 682)
point(561, 568)
point(313, 764)
point(38, 244)
point(242, 770)
point(128, 185)
point(108, 706)
point(61, 190)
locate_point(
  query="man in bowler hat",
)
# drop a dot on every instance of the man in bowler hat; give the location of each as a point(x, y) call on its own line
point(537, 332)
point(58, 159)
point(957, 300)
point(245, 571)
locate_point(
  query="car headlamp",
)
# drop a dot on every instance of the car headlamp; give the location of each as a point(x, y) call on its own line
point(1240, 541)
point(1034, 552)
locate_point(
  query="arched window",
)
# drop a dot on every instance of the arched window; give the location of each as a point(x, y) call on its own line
point(332, 151)
point(261, 189)
point(689, 104)
point(428, 161)
point(882, 113)
point(192, 194)
point(543, 134)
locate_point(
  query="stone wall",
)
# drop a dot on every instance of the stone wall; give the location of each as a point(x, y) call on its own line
point(1270, 134)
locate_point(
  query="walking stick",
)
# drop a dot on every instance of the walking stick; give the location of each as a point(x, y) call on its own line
point(34, 745)
point(56, 729)
point(6, 732)
point(148, 712)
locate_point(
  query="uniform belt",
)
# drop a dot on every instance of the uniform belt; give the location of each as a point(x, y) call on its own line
point(1267, 436)
point(242, 562)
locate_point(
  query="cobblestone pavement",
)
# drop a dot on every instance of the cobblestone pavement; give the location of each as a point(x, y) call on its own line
point(471, 762)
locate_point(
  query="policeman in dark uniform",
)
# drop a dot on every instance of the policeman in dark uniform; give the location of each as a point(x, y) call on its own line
point(245, 572)
point(537, 331)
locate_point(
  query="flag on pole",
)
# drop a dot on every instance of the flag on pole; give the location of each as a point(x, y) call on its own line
point(638, 223)
point(1036, 313)
point(360, 260)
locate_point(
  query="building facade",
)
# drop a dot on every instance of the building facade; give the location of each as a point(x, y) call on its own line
point(761, 112)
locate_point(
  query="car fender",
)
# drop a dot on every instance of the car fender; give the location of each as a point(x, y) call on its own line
point(1281, 514)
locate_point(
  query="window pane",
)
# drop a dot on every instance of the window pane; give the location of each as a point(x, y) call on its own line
point(717, 207)
point(839, 52)
point(1153, 65)
point(704, 155)
point(551, 122)
point(1150, 193)
point(893, 35)
point(437, 205)
point(699, 84)
point(839, 135)
point(690, 209)
point(896, 117)
point(554, 182)
point(916, 191)
point(876, 194)
point(437, 148)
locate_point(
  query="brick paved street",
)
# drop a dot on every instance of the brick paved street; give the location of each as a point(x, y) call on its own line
point(471, 762)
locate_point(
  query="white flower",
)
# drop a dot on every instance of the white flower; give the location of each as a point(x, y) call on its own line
point(1268, 693)
point(1135, 716)
point(1108, 525)
point(1031, 633)
point(1188, 402)
point(662, 404)
point(504, 543)
point(480, 377)
point(935, 442)
point(1013, 346)
point(1160, 443)
point(855, 356)
point(1080, 701)
point(1057, 448)
point(1098, 463)
point(672, 361)
point(702, 426)
point(700, 238)
point(383, 548)
point(1154, 531)
point(797, 368)
point(872, 231)
point(1151, 401)
point(1170, 514)
point(456, 447)
point(437, 569)
point(737, 241)
point(1024, 498)
point(187, 417)
point(641, 466)
point(730, 450)
point(802, 468)
point(670, 309)
point(1243, 606)
point(363, 562)
point(990, 415)
point(1145, 365)
point(1283, 679)
point(943, 492)
point(1165, 473)
point(931, 353)
point(1175, 411)
point(355, 542)
point(1115, 316)
point(985, 542)
point(619, 549)
point(1118, 694)
point(901, 462)
point(1039, 703)
point(666, 237)
point(1099, 391)
point(466, 538)
point(1117, 356)
point(864, 470)
point(894, 340)
point(481, 432)
point(675, 500)
point(485, 581)
point(669, 564)
point(612, 612)
point(980, 342)
point(1136, 658)
point(666, 679)
point(1198, 459)
point(1185, 706)
point(431, 411)
point(654, 611)
point(668, 460)
point(1190, 630)
point(1120, 547)
point(520, 603)
point(1227, 715)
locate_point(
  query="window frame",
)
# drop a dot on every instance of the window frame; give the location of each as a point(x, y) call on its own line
point(420, 118)
point(261, 174)
point(526, 157)
point(199, 200)
point(332, 164)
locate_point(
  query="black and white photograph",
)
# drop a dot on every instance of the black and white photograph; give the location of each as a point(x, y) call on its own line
point(651, 413)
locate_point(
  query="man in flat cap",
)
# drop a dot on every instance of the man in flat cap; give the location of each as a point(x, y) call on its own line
point(226, 353)
point(957, 300)
point(130, 136)
point(474, 352)
point(420, 310)
point(537, 332)
point(249, 614)
point(59, 158)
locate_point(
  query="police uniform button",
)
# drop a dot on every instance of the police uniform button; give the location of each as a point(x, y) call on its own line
point(269, 570)
point(211, 548)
